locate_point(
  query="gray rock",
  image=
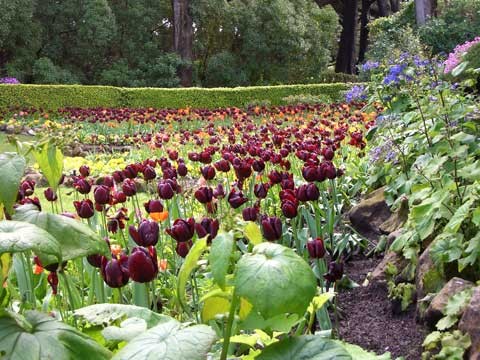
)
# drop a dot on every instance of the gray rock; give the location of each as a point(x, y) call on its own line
point(378, 274)
point(435, 310)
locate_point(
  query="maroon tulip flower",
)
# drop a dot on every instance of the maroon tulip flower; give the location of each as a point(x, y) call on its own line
point(275, 177)
point(261, 190)
point(204, 194)
point(27, 188)
point(289, 209)
point(258, 165)
point(243, 170)
point(219, 192)
point(119, 197)
point(222, 165)
point(84, 171)
point(101, 194)
point(50, 194)
point(208, 172)
point(129, 187)
point(84, 208)
point(329, 170)
point(310, 173)
point(108, 181)
point(236, 198)
point(142, 264)
point(52, 280)
point(183, 248)
point(130, 171)
point(153, 206)
point(207, 227)
point(149, 173)
point(165, 190)
point(83, 186)
point(335, 272)
point(308, 192)
point(272, 228)
point(182, 169)
point(95, 260)
point(316, 248)
point(115, 271)
point(118, 176)
point(328, 153)
point(182, 230)
point(250, 214)
point(147, 233)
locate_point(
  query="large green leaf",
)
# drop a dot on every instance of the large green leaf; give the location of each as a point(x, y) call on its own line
point(446, 248)
point(188, 266)
point(458, 217)
point(108, 314)
point(275, 280)
point(12, 167)
point(220, 252)
point(75, 238)
point(19, 236)
point(357, 353)
point(50, 161)
point(40, 337)
point(308, 347)
point(170, 341)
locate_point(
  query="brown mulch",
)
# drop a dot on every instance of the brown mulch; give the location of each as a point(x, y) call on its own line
point(367, 317)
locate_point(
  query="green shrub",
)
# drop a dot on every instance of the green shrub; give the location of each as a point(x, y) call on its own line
point(52, 97)
point(307, 99)
point(46, 72)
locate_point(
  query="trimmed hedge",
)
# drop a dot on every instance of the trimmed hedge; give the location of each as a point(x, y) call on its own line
point(52, 97)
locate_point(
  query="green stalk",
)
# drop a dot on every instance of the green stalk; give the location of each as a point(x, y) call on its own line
point(228, 329)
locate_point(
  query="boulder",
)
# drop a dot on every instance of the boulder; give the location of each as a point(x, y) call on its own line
point(470, 323)
point(370, 213)
point(397, 219)
point(378, 274)
point(435, 310)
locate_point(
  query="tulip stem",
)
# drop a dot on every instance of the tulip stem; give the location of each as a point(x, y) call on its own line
point(195, 295)
point(228, 329)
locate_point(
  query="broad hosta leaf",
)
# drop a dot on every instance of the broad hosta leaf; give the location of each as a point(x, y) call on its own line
point(307, 347)
point(188, 266)
point(12, 167)
point(19, 236)
point(40, 337)
point(357, 353)
point(75, 239)
point(50, 161)
point(275, 280)
point(252, 233)
point(221, 249)
point(127, 330)
point(470, 172)
point(169, 341)
point(107, 314)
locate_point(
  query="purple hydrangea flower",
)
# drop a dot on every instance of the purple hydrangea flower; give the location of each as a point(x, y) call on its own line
point(370, 65)
point(357, 92)
point(9, 80)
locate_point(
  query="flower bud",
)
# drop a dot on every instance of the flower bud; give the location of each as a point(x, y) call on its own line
point(272, 228)
point(50, 194)
point(142, 264)
point(316, 248)
point(84, 208)
point(115, 271)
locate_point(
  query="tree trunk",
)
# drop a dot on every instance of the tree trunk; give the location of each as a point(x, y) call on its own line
point(363, 31)
point(346, 51)
point(183, 38)
point(424, 9)
point(395, 5)
point(382, 8)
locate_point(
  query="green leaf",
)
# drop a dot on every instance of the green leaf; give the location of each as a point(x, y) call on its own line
point(457, 303)
point(473, 251)
point(275, 280)
point(252, 233)
point(12, 167)
point(458, 217)
point(357, 353)
point(459, 69)
point(40, 337)
point(213, 306)
point(432, 339)
point(107, 314)
point(50, 161)
point(170, 341)
point(19, 236)
point(282, 322)
point(220, 252)
point(476, 216)
point(75, 238)
point(307, 347)
point(470, 172)
point(127, 330)
point(188, 266)
point(446, 248)
point(446, 322)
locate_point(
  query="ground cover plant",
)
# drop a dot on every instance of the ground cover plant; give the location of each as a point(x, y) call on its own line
point(219, 229)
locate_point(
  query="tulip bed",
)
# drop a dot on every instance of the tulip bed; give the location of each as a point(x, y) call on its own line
point(229, 219)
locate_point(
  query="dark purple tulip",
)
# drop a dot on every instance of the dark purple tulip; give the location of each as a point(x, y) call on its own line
point(84, 170)
point(272, 228)
point(129, 187)
point(182, 230)
point(119, 197)
point(101, 194)
point(95, 260)
point(222, 165)
point(130, 171)
point(250, 214)
point(219, 192)
point(243, 170)
point(115, 271)
point(310, 173)
point(27, 188)
point(328, 153)
point(258, 165)
point(84, 208)
point(183, 248)
point(50, 194)
point(149, 173)
point(108, 181)
point(207, 227)
point(316, 248)
point(83, 186)
point(147, 233)
point(261, 190)
point(204, 194)
point(335, 272)
point(236, 199)
point(329, 170)
point(182, 169)
point(142, 264)
point(208, 172)
point(118, 176)
point(289, 209)
point(153, 206)
point(275, 177)
point(308, 192)
point(165, 190)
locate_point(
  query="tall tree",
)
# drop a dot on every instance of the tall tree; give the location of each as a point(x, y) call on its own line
point(424, 9)
point(183, 38)
point(346, 50)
